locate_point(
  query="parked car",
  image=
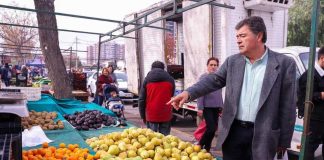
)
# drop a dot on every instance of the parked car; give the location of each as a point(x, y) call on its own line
point(301, 56)
point(124, 94)
point(89, 73)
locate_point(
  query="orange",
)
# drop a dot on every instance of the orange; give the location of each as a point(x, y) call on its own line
point(53, 149)
point(71, 147)
point(45, 145)
point(62, 145)
point(24, 157)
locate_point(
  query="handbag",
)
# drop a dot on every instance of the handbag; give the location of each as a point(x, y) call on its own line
point(200, 130)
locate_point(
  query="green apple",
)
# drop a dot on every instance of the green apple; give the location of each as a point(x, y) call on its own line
point(113, 150)
point(131, 153)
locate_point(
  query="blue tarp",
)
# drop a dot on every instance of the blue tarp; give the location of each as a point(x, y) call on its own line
point(64, 106)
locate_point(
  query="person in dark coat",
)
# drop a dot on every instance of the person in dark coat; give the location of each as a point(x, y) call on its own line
point(157, 89)
point(103, 80)
point(259, 112)
point(316, 128)
point(6, 74)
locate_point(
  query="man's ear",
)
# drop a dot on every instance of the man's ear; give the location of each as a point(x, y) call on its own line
point(260, 36)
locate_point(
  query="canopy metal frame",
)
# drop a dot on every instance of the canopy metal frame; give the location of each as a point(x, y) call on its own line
point(175, 11)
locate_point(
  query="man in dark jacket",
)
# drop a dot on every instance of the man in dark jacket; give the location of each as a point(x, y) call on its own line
point(157, 89)
point(316, 128)
point(6, 74)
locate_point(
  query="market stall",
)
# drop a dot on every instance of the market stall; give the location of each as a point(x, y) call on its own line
point(96, 133)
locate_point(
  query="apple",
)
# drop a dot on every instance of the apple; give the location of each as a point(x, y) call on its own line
point(196, 148)
point(176, 156)
point(157, 156)
point(126, 140)
point(137, 145)
point(201, 155)
point(185, 158)
point(149, 145)
point(144, 154)
point(189, 150)
point(104, 147)
point(122, 155)
point(113, 150)
point(131, 153)
point(151, 153)
point(194, 158)
point(182, 145)
point(159, 150)
point(193, 154)
point(184, 154)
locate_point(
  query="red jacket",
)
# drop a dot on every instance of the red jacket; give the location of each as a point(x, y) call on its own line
point(157, 90)
point(102, 79)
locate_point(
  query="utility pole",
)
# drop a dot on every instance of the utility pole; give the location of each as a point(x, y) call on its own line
point(310, 80)
point(70, 59)
point(76, 52)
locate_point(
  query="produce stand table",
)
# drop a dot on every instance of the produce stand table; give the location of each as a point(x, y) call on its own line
point(78, 94)
point(69, 135)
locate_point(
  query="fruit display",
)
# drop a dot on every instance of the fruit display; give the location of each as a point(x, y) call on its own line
point(89, 119)
point(43, 119)
point(139, 143)
point(67, 152)
point(79, 81)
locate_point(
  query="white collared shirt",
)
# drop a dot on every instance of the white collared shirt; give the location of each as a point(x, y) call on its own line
point(251, 88)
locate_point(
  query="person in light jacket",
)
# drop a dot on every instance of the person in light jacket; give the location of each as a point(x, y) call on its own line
point(210, 106)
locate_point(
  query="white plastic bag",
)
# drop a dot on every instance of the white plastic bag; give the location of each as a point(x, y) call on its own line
point(34, 136)
point(284, 157)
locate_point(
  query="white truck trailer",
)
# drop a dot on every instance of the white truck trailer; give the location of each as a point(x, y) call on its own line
point(197, 34)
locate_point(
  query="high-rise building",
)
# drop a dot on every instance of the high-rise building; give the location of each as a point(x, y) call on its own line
point(110, 51)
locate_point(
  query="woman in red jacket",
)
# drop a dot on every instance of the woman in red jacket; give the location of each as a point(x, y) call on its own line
point(103, 80)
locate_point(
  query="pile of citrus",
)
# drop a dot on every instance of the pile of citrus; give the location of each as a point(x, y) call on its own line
point(67, 152)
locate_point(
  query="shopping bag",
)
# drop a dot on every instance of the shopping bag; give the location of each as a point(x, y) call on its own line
point(200, 130)
point(281, 157)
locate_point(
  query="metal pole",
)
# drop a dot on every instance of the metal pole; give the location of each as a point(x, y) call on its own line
point(310, 78)
point(54, 29)
point(76, 52)
point(98, 62)
point(70, 59)
point(202, 2)
point(71, 15)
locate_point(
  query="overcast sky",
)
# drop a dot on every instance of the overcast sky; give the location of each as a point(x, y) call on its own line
point(108, 9)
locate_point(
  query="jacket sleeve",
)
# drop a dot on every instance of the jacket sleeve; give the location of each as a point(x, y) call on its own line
point(210, 83)
point(201, 100)
point(316, 92)
point(287, 108)
point(100, 82)
point(301, 94)
point(142, 100)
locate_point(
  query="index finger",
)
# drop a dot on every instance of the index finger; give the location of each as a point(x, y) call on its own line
point(171, 100)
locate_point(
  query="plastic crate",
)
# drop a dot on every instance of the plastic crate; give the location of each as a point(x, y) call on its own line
point(32, 93)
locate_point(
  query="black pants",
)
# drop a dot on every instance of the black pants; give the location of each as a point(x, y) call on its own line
point(211, 118)
point(315, 138)
point(238, 144)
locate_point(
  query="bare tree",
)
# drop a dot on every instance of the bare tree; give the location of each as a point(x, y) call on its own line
point(49, 43)
point(15, 38)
